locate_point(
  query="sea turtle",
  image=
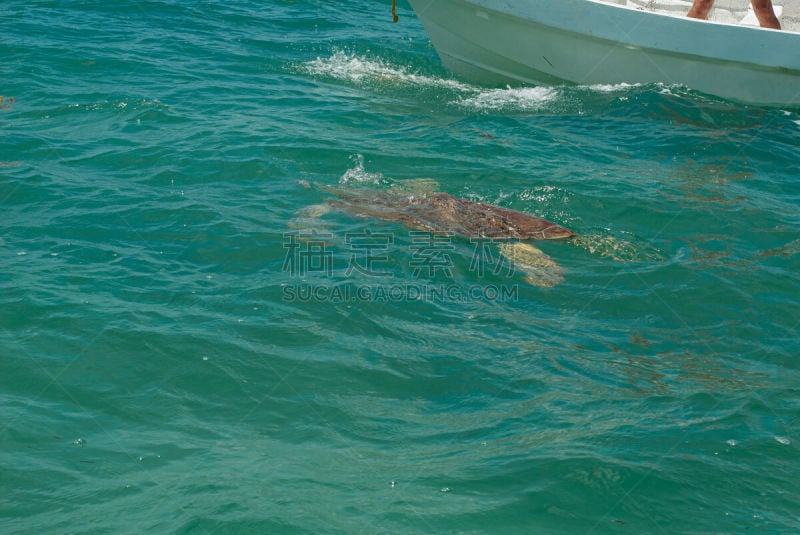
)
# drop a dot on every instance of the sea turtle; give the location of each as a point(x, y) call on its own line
point(419, 205)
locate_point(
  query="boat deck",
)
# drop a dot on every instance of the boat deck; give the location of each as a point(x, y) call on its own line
point(738, 12)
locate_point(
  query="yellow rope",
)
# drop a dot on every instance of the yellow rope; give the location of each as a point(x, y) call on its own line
point(394, 11)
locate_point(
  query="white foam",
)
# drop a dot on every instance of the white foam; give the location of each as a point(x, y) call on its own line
point(360, 69)
point(519, 98)
point(370, 71)
point(358, 175)
point(611, 88)
point(541, 194)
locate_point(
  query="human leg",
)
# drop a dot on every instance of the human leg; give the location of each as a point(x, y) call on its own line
point(701, 8)
point(765, 14)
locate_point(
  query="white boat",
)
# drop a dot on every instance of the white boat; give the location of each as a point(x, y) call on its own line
point(619, 41)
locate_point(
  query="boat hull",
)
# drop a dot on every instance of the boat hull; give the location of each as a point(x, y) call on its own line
point(589, 42)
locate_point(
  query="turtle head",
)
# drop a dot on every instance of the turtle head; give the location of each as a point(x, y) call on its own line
point(536, 228)
point(557, 232)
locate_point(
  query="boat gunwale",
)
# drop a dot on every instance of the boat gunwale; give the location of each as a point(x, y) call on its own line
point(744, 78)
point(718, 41)
point(649, 49)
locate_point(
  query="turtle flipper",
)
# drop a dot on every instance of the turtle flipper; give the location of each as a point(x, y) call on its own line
point(308, 217)
point(540, 270)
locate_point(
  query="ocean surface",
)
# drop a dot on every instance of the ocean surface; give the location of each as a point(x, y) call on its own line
point(193, 341)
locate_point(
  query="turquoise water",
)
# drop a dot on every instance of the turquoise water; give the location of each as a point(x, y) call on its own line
point(190, 346)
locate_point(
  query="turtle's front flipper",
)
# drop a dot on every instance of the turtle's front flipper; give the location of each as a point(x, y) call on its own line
point(540, 270)
point(308, 217)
